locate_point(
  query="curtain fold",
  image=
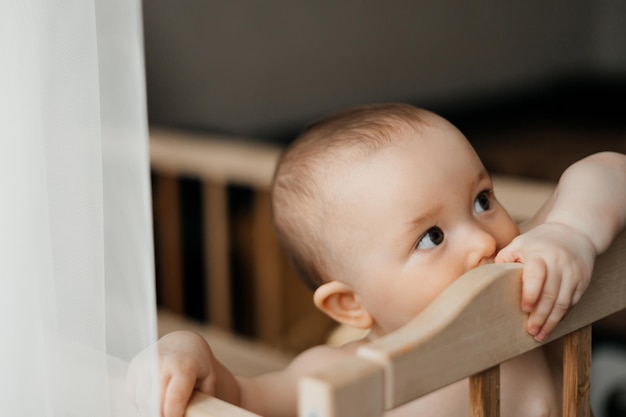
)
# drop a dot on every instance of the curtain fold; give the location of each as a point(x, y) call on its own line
point(77, 297)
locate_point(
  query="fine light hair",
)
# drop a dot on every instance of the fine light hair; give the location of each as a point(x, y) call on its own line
point(301, 210)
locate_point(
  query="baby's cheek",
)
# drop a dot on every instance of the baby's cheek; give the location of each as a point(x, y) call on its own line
point(508, 231)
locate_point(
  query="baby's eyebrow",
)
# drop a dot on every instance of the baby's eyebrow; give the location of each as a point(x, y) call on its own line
point(425, 218)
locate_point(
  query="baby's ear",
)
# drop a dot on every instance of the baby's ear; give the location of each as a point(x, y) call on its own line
point(339, 301)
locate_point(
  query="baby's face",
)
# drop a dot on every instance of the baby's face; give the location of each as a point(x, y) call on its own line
point(412, 220)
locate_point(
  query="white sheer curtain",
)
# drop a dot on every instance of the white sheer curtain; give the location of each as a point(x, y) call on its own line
point(76, 271)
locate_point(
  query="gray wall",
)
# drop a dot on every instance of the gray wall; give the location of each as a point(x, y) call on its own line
point(255, 67)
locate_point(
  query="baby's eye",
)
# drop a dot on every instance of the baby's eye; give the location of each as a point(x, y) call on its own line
point(433, 237)
point(482, 202)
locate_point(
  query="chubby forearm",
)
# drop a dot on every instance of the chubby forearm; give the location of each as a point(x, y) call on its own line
point(558, 247)
point(221, 383)
point(276, 393)
point(273, 394)
point(591, 198)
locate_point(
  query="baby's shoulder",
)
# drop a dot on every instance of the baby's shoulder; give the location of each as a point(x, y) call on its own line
point(320, 357)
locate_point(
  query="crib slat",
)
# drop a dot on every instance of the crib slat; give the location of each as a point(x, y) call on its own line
point(576, 373)
point(167, 212)
point(267, 273)
point(216, 232)
point(485, 393)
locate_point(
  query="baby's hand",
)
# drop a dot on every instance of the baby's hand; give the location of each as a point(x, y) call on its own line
point(558, 262)
point(185, 362)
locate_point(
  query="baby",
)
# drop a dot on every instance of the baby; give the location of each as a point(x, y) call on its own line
point(380, 208)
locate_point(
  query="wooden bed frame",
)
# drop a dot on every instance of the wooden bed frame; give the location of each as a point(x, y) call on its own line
point(479, 309)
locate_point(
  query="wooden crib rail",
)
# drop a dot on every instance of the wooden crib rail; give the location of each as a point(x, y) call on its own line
point(202, 405)
point(479, 316)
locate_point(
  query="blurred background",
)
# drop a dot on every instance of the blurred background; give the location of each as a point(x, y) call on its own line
point(534, 85)
point(265, 69)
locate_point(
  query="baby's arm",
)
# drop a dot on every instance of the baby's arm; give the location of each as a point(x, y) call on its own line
point(186, 363)
point(559, 245)
point(276, 393)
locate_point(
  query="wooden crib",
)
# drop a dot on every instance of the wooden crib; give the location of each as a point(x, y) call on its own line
point(478, 315)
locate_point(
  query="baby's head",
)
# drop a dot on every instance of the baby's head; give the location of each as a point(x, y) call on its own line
point(312, 163)
point(370, 201)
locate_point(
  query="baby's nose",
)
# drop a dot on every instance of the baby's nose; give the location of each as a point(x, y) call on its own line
point(482, 248)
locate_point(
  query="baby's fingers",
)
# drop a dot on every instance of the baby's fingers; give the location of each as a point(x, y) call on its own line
point(533, 281)
point(176, 395)
point(550, 310)
point(543, 308)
